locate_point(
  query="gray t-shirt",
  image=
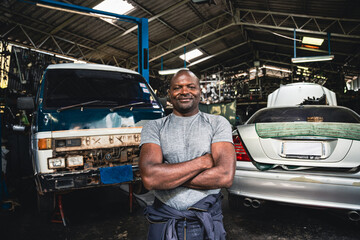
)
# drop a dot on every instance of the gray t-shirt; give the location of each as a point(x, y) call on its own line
point(183, 139)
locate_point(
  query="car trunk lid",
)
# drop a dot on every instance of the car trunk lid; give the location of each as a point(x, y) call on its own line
point(304, 143)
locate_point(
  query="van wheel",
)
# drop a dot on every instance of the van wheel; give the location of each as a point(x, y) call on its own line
point(45, 203)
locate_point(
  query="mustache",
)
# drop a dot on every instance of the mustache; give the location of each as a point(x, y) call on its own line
point(182, 96)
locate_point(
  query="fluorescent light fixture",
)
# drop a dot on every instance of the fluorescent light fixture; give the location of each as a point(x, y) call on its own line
point(200, 60)
point(301, 67)
point(241, 74)
point(191, 55)
point(254, 69)
point(115, 6)
point(277, 69)
point(171, 71)
point(312, 59)
point(48, 53)
point(70, 59)
point(312, 41)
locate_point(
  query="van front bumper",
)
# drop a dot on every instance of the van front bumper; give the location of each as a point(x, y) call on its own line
point(56, 182)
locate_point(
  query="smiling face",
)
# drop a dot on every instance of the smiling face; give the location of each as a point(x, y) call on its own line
point(185, 93)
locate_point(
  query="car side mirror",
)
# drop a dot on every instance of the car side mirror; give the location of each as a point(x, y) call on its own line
point(25, 103)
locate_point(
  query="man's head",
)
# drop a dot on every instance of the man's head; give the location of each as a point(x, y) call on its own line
point(184, 93)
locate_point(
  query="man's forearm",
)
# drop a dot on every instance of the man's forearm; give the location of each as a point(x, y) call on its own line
point(168, 176)
point(222, 174)
point(158, 175)
point(210, 179)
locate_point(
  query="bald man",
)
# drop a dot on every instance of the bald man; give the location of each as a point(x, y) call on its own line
point(186, 158)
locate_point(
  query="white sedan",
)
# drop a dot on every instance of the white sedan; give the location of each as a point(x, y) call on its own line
point(304, 155)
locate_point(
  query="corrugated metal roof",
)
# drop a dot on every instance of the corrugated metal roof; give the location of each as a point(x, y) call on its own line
point(238, 30)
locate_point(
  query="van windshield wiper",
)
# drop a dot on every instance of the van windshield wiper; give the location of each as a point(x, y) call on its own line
point(77, 105)
point(126, 105)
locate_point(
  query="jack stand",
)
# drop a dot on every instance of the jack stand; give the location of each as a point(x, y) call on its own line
point(59, 211)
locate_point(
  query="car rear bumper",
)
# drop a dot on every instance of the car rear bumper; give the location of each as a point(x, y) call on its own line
point(301, 189)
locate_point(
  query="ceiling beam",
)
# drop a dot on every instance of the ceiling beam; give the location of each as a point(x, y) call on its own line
point(258, 18)
point(301, 48)
point(169, 9)
point(183, 37)
point(199, 46)
point(229, 60)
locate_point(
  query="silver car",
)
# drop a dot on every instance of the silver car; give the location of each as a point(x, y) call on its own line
point(304, 155)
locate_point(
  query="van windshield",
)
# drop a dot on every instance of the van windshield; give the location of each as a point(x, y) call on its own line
point(66, 87)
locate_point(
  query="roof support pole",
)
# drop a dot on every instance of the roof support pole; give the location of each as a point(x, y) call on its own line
point(143, 48)
point(329, 43)
point(185, 57)
point(294, 43)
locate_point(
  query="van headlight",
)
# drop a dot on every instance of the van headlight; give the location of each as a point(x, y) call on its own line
point(74, 161)
point(56, 163)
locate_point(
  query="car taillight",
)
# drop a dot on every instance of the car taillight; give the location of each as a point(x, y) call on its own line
point(241, 154)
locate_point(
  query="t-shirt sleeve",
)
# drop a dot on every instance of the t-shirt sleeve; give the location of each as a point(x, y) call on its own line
point(222, 130)
point(150, 133)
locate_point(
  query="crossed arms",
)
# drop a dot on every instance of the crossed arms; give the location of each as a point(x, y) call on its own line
point(210, 171)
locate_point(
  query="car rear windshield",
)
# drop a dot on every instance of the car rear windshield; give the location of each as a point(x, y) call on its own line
point(65, 87)
point(305, 114)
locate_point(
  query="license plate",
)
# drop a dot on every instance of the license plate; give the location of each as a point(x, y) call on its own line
point(117, 174)
point(302, 149)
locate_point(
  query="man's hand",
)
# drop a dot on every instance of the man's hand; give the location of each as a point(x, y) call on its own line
point(222, 174)
point(208, 160)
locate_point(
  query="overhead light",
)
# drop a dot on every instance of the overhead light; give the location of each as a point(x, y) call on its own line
point(254, 70)
point(301, 67)
point(171, 71)
point(200, 60)
point(191, 55)
point(312, 59)
point(115, 6)
point(312, 41)
point(310, 46)
point(48, 53)
point(277, 69)
point(70, 59)
point(204, 1)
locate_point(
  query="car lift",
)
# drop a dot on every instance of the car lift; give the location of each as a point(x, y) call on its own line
point(143, 64)
point(143, 28)
point(58, 215)
point(59, 211)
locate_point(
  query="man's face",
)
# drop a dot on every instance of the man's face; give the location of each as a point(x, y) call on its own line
point(185, 94)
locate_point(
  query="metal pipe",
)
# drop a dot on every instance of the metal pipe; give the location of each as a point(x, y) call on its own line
point(247, 202)
point(354, 216)
point(255, 203)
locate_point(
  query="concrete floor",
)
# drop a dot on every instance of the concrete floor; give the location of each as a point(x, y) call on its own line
point(103, 213)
